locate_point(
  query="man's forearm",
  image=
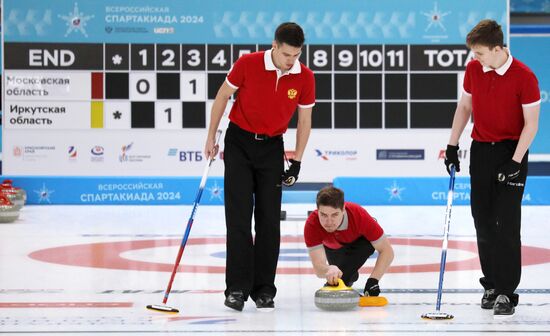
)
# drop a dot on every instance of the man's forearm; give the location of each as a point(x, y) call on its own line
point(303, 130)
point(527, 135)
point(382, 263)
point(218, 108)
point(320, 270)
point(460, 119)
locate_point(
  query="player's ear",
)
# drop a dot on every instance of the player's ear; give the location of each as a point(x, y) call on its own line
point(274, 44)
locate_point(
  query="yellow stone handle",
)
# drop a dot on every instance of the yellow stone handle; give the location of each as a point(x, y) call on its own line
point(341, 286)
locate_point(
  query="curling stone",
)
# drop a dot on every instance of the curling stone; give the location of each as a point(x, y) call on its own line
point(8, 211)
point(336, 298)
point(20, 191)
point(15, 198)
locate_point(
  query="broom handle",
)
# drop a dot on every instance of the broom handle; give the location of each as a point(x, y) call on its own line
point(445, 236)
point(190, 222)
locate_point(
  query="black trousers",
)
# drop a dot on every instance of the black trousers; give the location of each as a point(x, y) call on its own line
point(496, 209)
point(350, 258)
point(252, 185)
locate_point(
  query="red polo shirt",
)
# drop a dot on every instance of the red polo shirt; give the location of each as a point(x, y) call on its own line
point(357, 222)
point(498, 98)
point(267, 98)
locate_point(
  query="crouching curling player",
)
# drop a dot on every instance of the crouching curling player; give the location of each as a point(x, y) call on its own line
point(340, 237)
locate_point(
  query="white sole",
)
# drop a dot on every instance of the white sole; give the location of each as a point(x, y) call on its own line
point(265, 310)
point(502, 317)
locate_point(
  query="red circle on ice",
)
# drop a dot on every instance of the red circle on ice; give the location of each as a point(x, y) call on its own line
point(108, 255)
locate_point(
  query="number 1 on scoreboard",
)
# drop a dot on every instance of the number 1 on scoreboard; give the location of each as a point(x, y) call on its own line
point(168, 115)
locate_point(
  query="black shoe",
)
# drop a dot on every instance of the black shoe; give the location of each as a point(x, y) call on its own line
point(235, 300)
point(488, 299)
point(503, 307)
point(265, 303)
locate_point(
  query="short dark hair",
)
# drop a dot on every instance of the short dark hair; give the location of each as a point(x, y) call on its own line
point(290, 33)
point(330, 196)
point(486, 33)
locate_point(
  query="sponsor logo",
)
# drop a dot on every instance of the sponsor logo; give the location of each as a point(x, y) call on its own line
point(126, 157)
point(164, 30)
point(17, 151)
point(435, 18)
point(216, 191)
point(395, 191)
point(126, 30)
point(292, 93)
point(123, 157)
point(190, 156)
point(186, 155)
point(97, 154)
point(336, 154)
point(97, 151)
point(399, 154)
point(32, 153)
point(72, 152)
point(76, 21)
point(435, 27)
point(44, 194)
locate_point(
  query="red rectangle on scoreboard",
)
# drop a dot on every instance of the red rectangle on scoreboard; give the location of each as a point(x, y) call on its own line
point(97, 85)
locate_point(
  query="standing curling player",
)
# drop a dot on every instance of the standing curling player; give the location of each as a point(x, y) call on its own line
point(270, 86)
point(503, 96)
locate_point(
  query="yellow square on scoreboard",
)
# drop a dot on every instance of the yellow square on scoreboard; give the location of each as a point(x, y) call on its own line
point(97, 114)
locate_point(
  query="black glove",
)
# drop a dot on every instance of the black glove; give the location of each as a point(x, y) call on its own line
point(291, 174)
point(508, 172)
point(372, 288)
point(451, 158)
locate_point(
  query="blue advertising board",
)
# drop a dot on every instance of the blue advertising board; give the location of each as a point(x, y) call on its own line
point(533, 50)
point(246, 21)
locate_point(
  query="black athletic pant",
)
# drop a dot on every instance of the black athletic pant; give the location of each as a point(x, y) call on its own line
point(252, 185)
point(350, 258)
point(496, 209)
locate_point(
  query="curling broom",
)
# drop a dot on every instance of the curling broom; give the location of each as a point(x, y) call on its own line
point(163, 307)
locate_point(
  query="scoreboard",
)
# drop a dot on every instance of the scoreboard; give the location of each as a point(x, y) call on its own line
point(167, 86)
point(90, 103)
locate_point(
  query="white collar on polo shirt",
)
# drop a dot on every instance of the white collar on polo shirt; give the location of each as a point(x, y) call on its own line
point(269, 66)
point(344, 225)
point(503, 68)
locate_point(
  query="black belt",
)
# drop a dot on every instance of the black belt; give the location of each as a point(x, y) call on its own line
point(501, 142)
point(254, 136)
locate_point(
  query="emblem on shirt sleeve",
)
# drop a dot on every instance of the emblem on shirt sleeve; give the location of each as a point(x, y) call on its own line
point(292, 93)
